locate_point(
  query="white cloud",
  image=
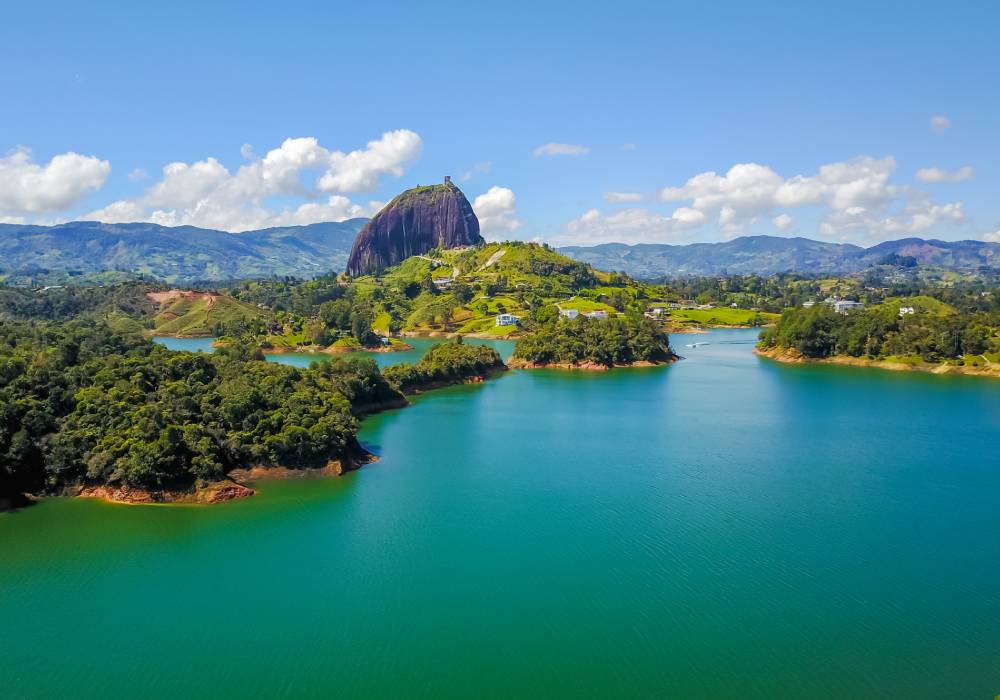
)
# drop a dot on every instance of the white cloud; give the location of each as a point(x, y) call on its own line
point(615, 197)
point(359, 171)
point(628, 226)
point(992, 237)
point(246, 150)
point(496, 210)
point(917, 215)
point(938, 175)
point(137, 175)
point(560, 149)
point(783, 222)
point(30, 188)
point(940, 123)
point(857, 194)
point(477, 169)
point(205, 193)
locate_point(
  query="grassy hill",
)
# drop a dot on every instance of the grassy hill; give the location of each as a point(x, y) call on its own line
point(463, 291)
point(200, 314)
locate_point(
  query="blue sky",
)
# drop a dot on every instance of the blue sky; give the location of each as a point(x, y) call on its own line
point(568, 123)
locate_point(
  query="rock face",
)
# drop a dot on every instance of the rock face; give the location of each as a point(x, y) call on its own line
point(413, 223)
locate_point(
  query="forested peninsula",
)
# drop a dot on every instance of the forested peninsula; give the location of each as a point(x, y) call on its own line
point(88, 409)
point(918, 333)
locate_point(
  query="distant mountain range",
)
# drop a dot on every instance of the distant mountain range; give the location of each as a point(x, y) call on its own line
point(176, 254)
point(767, 255)
point(187, 253)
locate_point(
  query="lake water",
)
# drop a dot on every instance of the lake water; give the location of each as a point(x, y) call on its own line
point(304, 359)
point(723, 527)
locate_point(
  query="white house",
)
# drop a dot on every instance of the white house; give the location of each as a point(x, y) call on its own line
point(904, 310)
point(443, 282)
point(507, 319)
point(808, 304)
point(598, 313)
point(843, 306)
point(569, 313)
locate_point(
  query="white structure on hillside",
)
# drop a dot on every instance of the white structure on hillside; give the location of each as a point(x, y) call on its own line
point(507, 319)
point(843, 306)
point(904, 310)
point(569, 313)
point(808, 304)
point(598, 313)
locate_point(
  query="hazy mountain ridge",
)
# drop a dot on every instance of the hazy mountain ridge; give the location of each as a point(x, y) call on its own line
point(188, 253)
point(773, 254)
point(181, 253)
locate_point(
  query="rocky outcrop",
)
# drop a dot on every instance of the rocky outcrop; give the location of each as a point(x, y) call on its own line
point(413, 223)
point(215, 492)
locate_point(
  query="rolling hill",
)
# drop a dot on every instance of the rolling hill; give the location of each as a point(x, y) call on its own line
point(191, 314)
point(175, 254)
point(768, 255)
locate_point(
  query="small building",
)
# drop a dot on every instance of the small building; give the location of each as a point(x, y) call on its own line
point(443, 282)
point(598, 313)
point(843, 306)
point(569, 313)
point(905, 310)
point(384, 340)
point(507, 319)
point(808, 304)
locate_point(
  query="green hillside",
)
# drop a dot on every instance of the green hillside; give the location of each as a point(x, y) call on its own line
point(201, 314)
point(464, 290)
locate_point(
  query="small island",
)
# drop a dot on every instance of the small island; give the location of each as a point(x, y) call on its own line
point(594, 344)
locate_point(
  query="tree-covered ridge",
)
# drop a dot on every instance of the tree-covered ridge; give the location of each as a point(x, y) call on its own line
point(445, 363)
point(609, 342)
point(919, 327)
point(82, 403)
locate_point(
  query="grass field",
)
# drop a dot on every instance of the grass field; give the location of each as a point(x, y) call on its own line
point(722, 316)
point(585, 305)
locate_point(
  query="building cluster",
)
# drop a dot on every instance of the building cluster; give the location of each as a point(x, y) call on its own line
point(841, 306)
point(573, 313)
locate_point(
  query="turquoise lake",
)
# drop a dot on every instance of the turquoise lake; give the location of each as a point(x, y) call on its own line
point(304, 359)
point(725, 527)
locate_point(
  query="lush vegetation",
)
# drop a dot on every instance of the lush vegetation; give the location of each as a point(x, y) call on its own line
point(934, 332)
point(614, 341)
point(81, 402)
point(445, 363)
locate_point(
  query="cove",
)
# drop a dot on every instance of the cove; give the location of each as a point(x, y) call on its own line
point(722, 527)
point(304, 359)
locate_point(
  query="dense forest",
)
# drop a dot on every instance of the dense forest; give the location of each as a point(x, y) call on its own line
point(613, 341)
point(909, 326)
point(83, 403)
point(444, 363)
